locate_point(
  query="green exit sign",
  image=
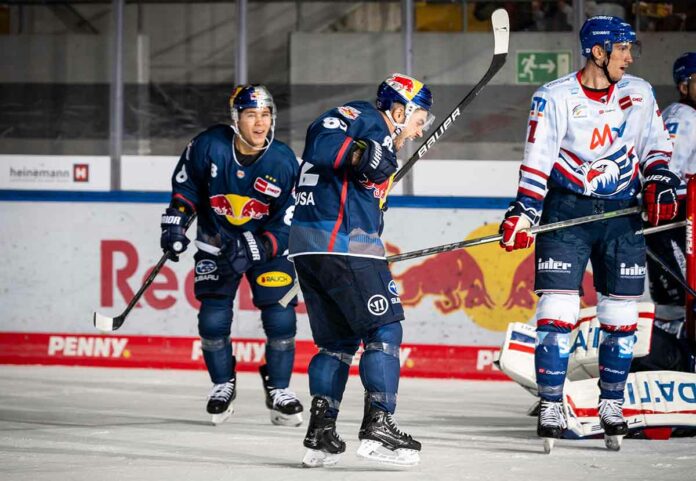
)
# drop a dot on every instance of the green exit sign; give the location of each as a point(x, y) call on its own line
point(540, 67)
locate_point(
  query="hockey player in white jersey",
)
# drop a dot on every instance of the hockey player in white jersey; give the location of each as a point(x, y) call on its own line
point(668, 349)
point(590, 136)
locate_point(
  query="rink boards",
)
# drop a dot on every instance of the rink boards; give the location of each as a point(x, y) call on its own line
point(68, 254)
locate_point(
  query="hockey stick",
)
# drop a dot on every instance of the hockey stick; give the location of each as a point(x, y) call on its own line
point(497, 237)
point(501, 36)
point(108, 324)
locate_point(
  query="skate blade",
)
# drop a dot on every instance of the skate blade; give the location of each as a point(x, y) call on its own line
point(222, 417)
point(280, 419)
point(315, 458)
point(376, 451)
point(613, 443)
point(548, 444)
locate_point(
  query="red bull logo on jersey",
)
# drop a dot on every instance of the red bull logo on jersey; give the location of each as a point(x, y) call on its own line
point(492, 287)
point(238, 209)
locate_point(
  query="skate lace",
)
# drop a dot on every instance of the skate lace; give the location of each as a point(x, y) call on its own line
point(283, 397)
point(222, 391)
point(611, 410)
point(395, 427)
point(552, 414)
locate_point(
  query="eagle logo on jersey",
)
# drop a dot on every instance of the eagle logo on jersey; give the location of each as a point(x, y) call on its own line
point(609, 175)
point(238, 209)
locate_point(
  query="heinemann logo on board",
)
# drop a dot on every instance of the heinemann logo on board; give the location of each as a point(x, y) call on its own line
point(78, 173)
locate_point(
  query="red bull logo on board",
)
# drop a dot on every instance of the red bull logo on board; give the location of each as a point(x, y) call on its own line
point(493, 287)
point(238, 209)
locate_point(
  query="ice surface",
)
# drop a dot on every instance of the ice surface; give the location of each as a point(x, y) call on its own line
point(93, 424)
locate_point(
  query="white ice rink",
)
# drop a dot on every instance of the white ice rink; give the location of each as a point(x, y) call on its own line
point(91, 424)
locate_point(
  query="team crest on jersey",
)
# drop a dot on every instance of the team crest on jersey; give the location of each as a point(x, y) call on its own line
point(266, 187)
point(239, 209)
point(609, 175)
point(349, 112)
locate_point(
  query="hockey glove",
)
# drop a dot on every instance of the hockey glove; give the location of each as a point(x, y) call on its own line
point(173, 240)
point(515, 227)
point(660, 196)
point(372, 160)
point(244, 250)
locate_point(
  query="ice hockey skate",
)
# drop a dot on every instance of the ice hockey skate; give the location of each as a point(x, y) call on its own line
point(384, 442)
point(220, 401)
point(612, 421)
point(550, 423)
point(324, 445)
point(285, 408)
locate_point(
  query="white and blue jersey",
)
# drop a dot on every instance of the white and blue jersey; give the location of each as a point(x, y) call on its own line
point(681, 124)
point(592, 148)
point(336, 212)
point(229, 197)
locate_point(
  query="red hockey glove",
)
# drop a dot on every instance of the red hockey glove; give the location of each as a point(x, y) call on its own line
point(515, 228)
point(660, 196)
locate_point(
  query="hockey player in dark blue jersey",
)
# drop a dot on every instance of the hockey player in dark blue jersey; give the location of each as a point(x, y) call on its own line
point(238, 180)
point(348, 163)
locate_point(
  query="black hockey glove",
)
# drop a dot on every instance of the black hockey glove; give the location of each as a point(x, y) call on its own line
point(660, 195)
point(244, 250)
point(375, 162)
point(173, 240)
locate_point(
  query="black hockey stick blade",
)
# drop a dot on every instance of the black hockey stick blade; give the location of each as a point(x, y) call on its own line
point(501, 37)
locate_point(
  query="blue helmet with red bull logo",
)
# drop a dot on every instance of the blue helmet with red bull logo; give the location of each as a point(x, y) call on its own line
point(605, 31)
point(411, 93)
point(684, 67)
point(252, 96)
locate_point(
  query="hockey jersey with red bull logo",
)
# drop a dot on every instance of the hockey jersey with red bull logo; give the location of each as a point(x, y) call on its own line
point(229, 197)
point(335, 211)
point(680, 120)
point(588, 147)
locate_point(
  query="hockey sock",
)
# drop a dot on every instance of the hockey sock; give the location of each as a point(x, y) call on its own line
point(328, 373)
point(380, 367)
point(551, 359)
point(214, 322)
point(615, 355)
point(279, 324)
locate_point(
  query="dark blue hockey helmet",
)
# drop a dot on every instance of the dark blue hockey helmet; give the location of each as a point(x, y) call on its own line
point(606, 31)
point(411, 93)
point(250, 97)
point(684, 66)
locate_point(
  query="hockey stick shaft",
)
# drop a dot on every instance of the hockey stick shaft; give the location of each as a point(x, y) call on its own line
point(105, 323)
point(497, 237)
point(501, 32)
point(677, 277)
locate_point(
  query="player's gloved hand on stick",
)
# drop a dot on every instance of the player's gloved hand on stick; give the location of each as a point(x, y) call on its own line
point(515, 227)
point(372, 160)
point(243, 250)
point(173, 240)
point(660, 195)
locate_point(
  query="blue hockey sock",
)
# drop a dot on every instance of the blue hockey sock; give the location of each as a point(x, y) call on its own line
point(551, 360)
point(279, 325)
point(615, 356)
point(328, 373)
point(380, 367)
point(214, 322)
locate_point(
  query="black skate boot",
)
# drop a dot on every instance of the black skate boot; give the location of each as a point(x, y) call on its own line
point(285, 408)
point(612, 421)
point(384, 442)
point(551, 423)
point(220, 401)
point(324, 445)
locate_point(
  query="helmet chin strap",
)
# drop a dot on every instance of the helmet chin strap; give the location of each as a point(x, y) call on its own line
point(605, 68)
point(397, 126)
point(268, 141)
